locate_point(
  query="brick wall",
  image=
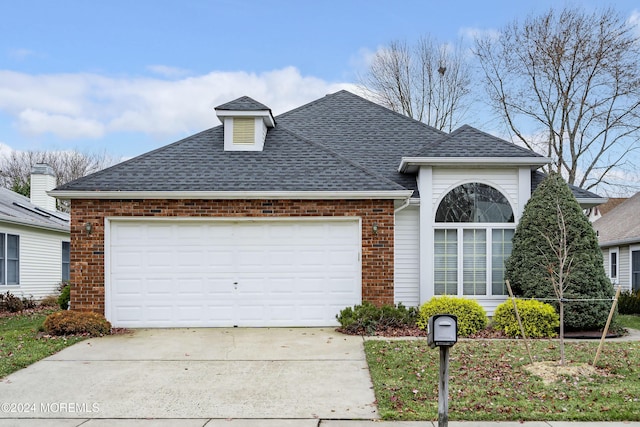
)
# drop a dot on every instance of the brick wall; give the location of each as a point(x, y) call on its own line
point(87, 250)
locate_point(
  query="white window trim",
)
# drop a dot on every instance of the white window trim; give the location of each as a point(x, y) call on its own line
point(614, 280)
point(489, 227)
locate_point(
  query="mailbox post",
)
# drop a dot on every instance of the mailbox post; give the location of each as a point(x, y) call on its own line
point(442, 331)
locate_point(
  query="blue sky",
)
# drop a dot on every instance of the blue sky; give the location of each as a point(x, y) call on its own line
point(129, 76)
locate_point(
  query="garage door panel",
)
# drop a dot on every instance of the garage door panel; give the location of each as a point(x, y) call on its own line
point(226, 273)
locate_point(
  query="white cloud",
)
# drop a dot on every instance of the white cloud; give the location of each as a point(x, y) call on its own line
point(167, 71)
point(471, 33)
point(38, 122)
point(82, 105)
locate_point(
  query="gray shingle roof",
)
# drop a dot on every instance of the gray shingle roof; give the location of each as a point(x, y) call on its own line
point(243, 103)
point(621, 225)
point(341, 142)
point(367, 133)
point(199, 163)
point(579, 193)
point(467, 141)
point(15, 207)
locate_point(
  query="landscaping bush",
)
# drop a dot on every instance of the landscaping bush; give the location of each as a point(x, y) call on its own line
point(70, 322)
point(29, 303)
point(539, 319)
point(65, 296)
point(367, 318)
point(534, 263)
point(471, 315)
point(49, 301)
point(629, 302)
point(10, 303)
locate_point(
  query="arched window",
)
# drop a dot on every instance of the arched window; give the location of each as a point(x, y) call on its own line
point(474, 202)
point(469, 257)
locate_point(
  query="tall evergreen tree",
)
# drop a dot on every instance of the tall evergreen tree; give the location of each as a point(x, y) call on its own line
point(553, 220)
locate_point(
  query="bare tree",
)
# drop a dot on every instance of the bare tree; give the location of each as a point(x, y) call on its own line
point(558, 265)
point(572, 79)
point(428, 82)
point(15, 169)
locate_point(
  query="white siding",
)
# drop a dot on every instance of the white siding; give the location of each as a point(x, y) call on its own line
point(624, 266)
point(504, 180)
point(40, 261)
point(407, 257)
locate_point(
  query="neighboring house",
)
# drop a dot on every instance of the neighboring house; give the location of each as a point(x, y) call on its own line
point(34, 239)
point(619, 236)
point(596, 212)
point(284, 221)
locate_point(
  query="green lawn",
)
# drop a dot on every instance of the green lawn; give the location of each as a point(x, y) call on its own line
point(488, 381)
point(629, 321)
point(20, 346)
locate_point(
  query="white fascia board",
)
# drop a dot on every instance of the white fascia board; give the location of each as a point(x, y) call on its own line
point(589, 203)
point(25, 223)
point(620, 242)
point(411, 164)
point(233, 195)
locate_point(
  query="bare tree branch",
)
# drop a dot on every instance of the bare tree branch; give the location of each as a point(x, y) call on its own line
point(575, 77)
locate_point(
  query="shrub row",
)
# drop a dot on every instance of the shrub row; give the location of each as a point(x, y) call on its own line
point(629, 302)
point(367, 318)
point(13, 304)
point(539, 319)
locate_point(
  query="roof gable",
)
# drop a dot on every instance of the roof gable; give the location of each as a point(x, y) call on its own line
point(244, 103)
point(467, 141)
point(621, 225)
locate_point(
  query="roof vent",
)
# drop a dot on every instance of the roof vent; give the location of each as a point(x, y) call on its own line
point(246, 122)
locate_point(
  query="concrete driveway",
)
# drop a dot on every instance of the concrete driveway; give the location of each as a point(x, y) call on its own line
point(281, 373)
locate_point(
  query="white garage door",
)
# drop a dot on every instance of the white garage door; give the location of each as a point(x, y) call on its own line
point(231, 273)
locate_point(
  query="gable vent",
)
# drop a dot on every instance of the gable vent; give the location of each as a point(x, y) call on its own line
point(244, 130)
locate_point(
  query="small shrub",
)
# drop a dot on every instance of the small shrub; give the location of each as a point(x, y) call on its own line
point(65, 296)
point(10, 303)
point(29, 303)
point(367, 318)
point(629, 302)
point(471, 315)
point(539, 319)
point(49, 301)
point(69, 322)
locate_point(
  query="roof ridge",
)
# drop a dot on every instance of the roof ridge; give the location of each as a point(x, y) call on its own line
point(374, 104)
point(341, 157)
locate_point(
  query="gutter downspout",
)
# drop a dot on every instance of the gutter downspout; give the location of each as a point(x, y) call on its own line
point(403, 206)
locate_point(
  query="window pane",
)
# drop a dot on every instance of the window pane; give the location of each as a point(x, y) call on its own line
point(501, 249)
point(13, 259)
point(635, 270)
point(474, 202)
point(446, 262)
point(474, 261)
point(66, 255)
point(614, 265)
